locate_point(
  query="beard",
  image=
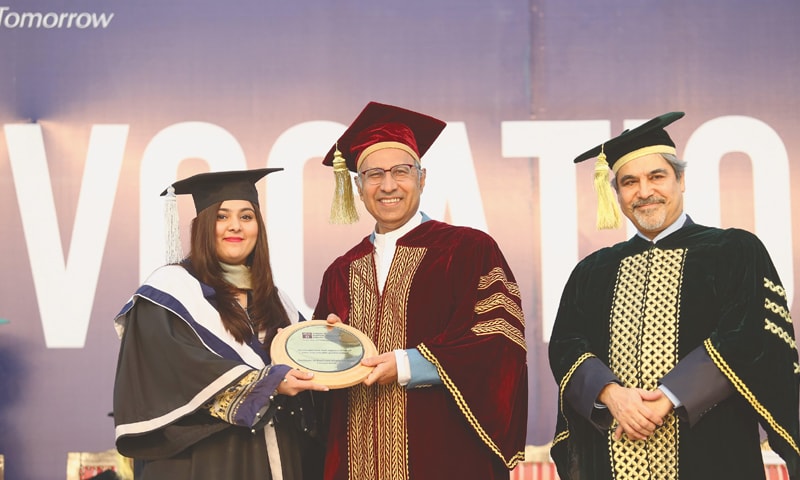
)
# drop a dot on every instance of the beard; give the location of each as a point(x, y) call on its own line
point(651, 219)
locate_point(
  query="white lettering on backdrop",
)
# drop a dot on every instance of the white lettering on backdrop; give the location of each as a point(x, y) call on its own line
point(65, 289)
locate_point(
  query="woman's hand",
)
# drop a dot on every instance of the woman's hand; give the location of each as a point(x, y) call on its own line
point(297, 381)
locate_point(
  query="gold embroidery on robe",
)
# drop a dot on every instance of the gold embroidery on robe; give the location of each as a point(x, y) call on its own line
point(499, 326)
point(645, 321)
point(775, 287)
point(780, 333)
point(380, 408)
point(226, 403)
point(563, 435)
point(742, 388)
point(778, 309)
point(497, 274)
point(495, 326)
point(466, 411)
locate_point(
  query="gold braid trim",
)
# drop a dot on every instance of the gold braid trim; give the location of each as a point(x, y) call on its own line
point(377, 430)
point(226, 403)
point(470, 417)
point(780, 333)
point(778, 309)
point(500, 300)
point(775, 287)
point(741, 387)
point(392, 400)
point(561, 386)
point(644, 326)
point(497, 274)
point(499, 326)
point(561, 436)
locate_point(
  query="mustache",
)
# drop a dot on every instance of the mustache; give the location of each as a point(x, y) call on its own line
point(649, 201)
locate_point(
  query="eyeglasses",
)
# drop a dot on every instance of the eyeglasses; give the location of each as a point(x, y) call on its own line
point(400, 173)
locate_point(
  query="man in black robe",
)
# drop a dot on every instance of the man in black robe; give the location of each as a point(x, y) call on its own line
point(672, 348)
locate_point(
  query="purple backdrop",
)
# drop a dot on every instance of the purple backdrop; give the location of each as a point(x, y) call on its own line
point(103, 103)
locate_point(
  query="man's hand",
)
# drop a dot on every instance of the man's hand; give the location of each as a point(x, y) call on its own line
point(385, 371)
point(637, 419)
point(662, 406)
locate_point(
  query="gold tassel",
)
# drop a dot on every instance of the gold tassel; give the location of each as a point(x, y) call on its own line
point(124, 467)
point(343, 209)
point(174, 252)
point(608, 215)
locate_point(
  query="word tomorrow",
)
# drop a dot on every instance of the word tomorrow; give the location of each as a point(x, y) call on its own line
point(53, 20)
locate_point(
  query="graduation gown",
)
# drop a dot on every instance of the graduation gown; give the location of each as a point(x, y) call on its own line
point(174, 358)
point(450, 294)
point(701, 311)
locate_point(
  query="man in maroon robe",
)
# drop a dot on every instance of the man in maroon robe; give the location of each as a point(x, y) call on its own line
point(448, 395)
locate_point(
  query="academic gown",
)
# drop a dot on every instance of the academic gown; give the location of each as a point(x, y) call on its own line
point(701, 298)
point(450, 294)
point(175, 356)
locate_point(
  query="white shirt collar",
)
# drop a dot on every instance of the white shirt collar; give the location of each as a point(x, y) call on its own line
point(392, 236)
point(386, 244)
point(675, 226)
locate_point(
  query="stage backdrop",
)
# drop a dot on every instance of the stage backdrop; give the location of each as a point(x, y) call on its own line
point(105, 103)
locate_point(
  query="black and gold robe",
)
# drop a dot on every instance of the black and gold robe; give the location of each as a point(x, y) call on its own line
point(702, 312)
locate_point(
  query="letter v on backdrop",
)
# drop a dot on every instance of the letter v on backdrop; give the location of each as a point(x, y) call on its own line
point(65, 286)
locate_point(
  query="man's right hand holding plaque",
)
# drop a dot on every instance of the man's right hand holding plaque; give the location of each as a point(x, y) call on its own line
point(330, 349)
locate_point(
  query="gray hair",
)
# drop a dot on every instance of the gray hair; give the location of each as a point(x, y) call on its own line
point(678, 166)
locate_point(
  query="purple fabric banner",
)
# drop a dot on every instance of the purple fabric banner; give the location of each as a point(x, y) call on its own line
point(103, 104)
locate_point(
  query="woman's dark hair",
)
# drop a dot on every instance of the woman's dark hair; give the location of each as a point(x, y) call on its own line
point(265, 308)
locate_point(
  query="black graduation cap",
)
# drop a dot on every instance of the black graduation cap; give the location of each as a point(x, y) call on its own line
point(649, 137)
point(635, 143)
point(209, 188)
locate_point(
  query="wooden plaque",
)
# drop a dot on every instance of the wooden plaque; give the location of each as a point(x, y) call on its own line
point(332, 352)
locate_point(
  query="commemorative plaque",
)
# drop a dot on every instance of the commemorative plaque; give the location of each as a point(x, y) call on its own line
point(332, 352)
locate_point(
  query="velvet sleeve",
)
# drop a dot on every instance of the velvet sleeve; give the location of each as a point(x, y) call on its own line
point(754, 343)
point(481, 354)
point(571, 341)
point(698, 384)
point(584, 387)
point(576, 356)
point(576, 352)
